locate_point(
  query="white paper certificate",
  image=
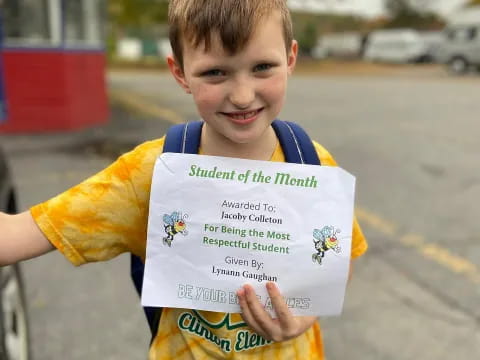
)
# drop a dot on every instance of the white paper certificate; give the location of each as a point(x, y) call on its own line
point(217, 223)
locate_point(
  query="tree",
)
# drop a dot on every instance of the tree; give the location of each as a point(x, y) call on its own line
point(137, 13)
point(412, 14)
point(395, 7)
point(473, 3)
point(307, 38)
point(140, 18)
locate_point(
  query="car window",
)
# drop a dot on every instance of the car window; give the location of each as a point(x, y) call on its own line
point(463, 34)
point(472, 33)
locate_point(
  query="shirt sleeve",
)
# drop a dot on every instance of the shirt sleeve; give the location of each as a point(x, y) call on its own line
point(359, 242)
point(105, 215)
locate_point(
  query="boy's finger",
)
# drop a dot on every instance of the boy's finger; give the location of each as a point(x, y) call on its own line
point(285, 317)
point(247, 314)
point(262, 318)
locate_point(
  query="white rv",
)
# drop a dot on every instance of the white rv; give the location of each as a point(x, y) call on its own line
point(433, 41)
point(396, 46)
point(338, 45)
point(461, 48)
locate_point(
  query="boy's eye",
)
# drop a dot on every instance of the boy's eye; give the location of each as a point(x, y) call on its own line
point(263, 67)
point(213, 73)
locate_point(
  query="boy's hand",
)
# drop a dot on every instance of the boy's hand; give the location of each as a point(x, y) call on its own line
point(284, 327)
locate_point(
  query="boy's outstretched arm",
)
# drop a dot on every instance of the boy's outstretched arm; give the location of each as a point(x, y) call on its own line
point(20, 238)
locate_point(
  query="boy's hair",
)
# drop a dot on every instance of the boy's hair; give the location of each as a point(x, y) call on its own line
point(195, 21)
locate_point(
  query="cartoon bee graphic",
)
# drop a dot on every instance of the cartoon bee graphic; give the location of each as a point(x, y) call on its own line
point(174, 224)
point(325, 240)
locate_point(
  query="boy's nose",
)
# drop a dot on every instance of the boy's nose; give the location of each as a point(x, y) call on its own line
point(242, 95)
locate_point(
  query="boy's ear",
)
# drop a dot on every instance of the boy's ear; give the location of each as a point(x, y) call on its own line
point(178, 73)
point(292, 57)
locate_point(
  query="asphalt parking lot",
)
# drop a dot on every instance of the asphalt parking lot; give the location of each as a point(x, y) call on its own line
point(410, 138)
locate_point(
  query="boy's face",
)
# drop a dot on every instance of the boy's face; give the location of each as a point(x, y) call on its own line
point(238, 96)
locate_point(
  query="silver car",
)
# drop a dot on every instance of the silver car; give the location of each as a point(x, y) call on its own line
point(14, 335)
point(461, 48)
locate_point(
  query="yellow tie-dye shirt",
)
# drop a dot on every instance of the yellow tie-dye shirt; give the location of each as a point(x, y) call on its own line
point(107, 215)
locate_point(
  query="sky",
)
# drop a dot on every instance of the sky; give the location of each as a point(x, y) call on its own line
point(369, 8)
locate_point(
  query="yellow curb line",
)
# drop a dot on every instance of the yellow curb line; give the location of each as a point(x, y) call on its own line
point(431, 251)
point(143, 105)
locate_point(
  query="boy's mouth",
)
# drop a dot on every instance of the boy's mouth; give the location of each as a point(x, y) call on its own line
point(243, 117)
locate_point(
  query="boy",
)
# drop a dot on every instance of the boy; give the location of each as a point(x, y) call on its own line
point(234, 58)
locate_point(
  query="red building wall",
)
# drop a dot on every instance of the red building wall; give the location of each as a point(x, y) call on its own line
point(54, 90)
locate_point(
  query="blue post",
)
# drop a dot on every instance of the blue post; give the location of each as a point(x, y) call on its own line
point(3, 101)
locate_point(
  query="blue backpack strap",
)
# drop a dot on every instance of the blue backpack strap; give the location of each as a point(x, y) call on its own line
point(184, 138)
point(296, 144)
point(137, 268)
point(181, 138)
